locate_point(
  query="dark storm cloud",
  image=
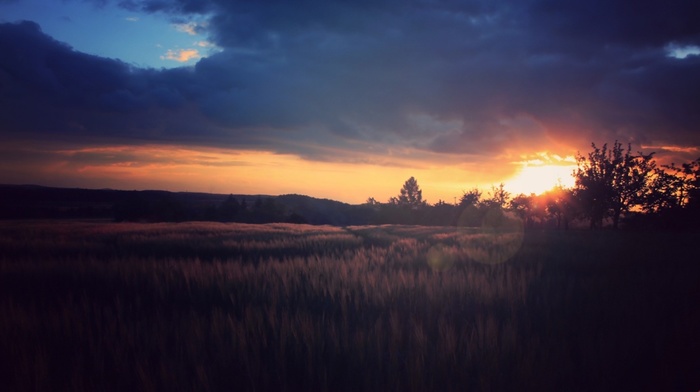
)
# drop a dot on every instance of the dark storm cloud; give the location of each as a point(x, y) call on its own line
point(601, 22)
point(461, 77)
point(48, 87)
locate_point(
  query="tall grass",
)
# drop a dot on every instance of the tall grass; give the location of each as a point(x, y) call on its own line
point(201, 306)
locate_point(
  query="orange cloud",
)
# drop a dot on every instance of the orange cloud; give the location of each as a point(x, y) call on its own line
point(181, 55)
point(688, 149)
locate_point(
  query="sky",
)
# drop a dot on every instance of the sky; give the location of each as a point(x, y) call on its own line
point(340, 99)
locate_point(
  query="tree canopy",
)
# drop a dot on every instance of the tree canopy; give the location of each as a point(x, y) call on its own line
point(612, 183)
point(411, 195)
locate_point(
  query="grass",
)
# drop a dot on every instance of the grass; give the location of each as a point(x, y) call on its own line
point(204, 306)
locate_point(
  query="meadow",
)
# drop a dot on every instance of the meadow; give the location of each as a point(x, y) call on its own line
point(90, 306)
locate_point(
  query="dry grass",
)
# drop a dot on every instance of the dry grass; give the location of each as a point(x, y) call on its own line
point(202, 306)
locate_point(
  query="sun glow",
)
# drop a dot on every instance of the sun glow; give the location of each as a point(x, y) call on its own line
point(538, 179)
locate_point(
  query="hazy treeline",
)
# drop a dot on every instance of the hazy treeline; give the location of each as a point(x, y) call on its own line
point(170, 209)
point(245, 209)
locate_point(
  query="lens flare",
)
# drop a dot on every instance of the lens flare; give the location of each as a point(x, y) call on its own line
point(441, 257)
point(498, 240)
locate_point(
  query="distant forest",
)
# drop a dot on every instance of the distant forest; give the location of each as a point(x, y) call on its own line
point(614, 188)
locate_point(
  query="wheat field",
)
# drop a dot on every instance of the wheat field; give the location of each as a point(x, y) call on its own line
point(93, 306)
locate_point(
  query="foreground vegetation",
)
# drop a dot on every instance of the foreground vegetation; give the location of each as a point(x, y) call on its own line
point(213, 306)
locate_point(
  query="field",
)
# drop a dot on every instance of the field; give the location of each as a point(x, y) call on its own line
point(280, 307)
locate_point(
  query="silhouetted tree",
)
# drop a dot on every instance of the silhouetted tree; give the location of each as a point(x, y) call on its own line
point(677, 186)
point(673, 199)
point(611, 182)
point(498, 197)
point(470, 198)
point(667, 191)
point(560, 205)
point(469, 213)
point(411, 196)
point(691, 173)
point(524, 207)
point(441, 214)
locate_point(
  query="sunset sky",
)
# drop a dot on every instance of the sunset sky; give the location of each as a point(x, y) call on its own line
point(340, 99)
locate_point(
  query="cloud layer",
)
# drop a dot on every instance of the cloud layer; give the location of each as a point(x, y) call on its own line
point(337, 80)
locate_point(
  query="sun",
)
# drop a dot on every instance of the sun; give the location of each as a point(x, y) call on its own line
point(538, 179)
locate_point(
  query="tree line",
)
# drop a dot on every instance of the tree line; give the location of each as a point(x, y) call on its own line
point(613, 187)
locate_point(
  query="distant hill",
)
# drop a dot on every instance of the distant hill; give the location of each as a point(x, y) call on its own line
point(39, 202)
point(326, 211)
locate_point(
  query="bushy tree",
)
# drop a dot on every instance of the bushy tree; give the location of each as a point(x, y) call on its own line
point(441, 214)
point(673, 198)
point(560, 204)
point(525, 207)
point(498, 197)
point(470, 198)
point(692, 179)
point(610, 182)
point(676, 186)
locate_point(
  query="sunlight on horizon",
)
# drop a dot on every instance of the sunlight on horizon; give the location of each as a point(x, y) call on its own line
point(538, 179)
point(213, 170)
